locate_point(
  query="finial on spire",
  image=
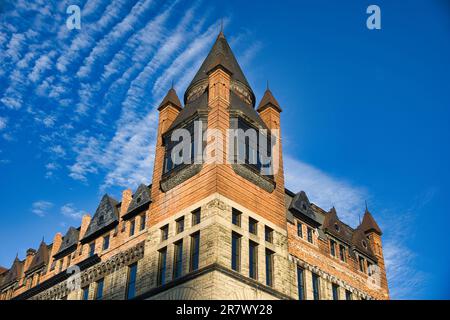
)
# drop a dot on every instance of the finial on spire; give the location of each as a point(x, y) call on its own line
point(366, 205)
point(172, 85)
point(221, 25)
point(267, 86)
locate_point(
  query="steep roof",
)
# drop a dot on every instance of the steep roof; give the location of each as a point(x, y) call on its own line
point(301, 205)
point(268, 100)
point(336, 227)
point(220, 55)
point(140, 201)
point(40, 259)
point(69, 242)
point(369, 224)
point(2, 270)
point(106, 216)
point(171, 98)
point(239, 105)
point(14, 273)
point(361, 243)
point(191, 108)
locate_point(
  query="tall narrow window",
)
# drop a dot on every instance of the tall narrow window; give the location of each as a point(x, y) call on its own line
point(342, 252)
point(235, 251)
point(162, 266)
point(310, 235)
point(91, 249)
point(99, 290)
point(131, 285)
point(195, 248)
point(269, 267)
point(335, 289)
point(143, 220)
point(333, 248)
point(178, 259)
point(132, 227)
point(268, 233)
point(252, 226)
point(315, 285)
point(369, 268)
point(164, 232)
point(253, 260)
point(180, 225)
point(236, 217)
point(106, 242)
point(348, 295)
point(301, 283)
point(299, 230)
point(361, 264)
point(196, 217)
point(86, 293)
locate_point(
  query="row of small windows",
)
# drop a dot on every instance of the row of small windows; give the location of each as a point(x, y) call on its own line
point(252, 225)
point(316, 287)
point(309, 232)
point(342, 250)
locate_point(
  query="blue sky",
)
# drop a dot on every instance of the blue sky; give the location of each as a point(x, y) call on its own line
point(365, 111)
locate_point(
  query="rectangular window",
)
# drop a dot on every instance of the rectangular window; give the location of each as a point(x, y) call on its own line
point(99, 290)
point(164, 232)
point(131, 285)
point(252, 226)
point(348, 295)
point(269, 267)
point(361, 264)
point(301, 283)
point(369, 268)
point(143, 220)
point(132, 227)
point(178, 259)
point(236, 217)
point(342, 252)
point(310, 235)
point(196, 217)
point(268, 234)
point(162, 266)
point(180, 225)
point(106, 242)
point(60, 266)
point(253, 260)
point(86, 293)
point(335, 289)
point(91, 249)
point(333, 248)
point(195, 250)
point(315, 285)
point(299, 230)
point(235, 252)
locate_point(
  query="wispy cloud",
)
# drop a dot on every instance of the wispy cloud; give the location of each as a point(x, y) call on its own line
point(3, 123)
point(69, 210)
point(41, 208)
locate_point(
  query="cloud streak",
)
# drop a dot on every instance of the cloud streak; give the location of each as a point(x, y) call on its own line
point(41, 208)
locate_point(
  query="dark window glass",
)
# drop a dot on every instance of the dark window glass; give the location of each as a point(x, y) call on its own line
point(301, 283)
point(196, 216)
point(132, 227)
point(335, 289)
point(369, 268)
point(361, 264)
point(162, 266)
point(253, 260)
point(180, 225)
point(333, 248)
point(195, 250)
point(348, 295)
point(299, 230)
point(310, 235)
point(252, 226)
point(164, 232)
point(86, 293)
point(131, 286)
point(99, 291)
point(268, 234)
point(91, 249)
point(315, 285)
point(105, 242)
point(60, 265)
point(342, 252)
point(269, 267)
point(143, 219)
point(178, 259)
point(236, 217)
point(235, 252)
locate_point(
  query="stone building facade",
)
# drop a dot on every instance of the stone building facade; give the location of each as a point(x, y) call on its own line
point(208, 229)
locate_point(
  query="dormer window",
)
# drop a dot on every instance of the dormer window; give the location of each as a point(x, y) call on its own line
point(336, 227)
point(364, 243)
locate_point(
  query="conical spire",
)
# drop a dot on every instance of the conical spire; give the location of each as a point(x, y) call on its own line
point(170, 98)
point(268, 100)
point(220, 55)
point(369, 224)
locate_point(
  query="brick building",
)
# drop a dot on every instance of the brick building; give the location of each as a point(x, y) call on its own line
point(208, 230)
